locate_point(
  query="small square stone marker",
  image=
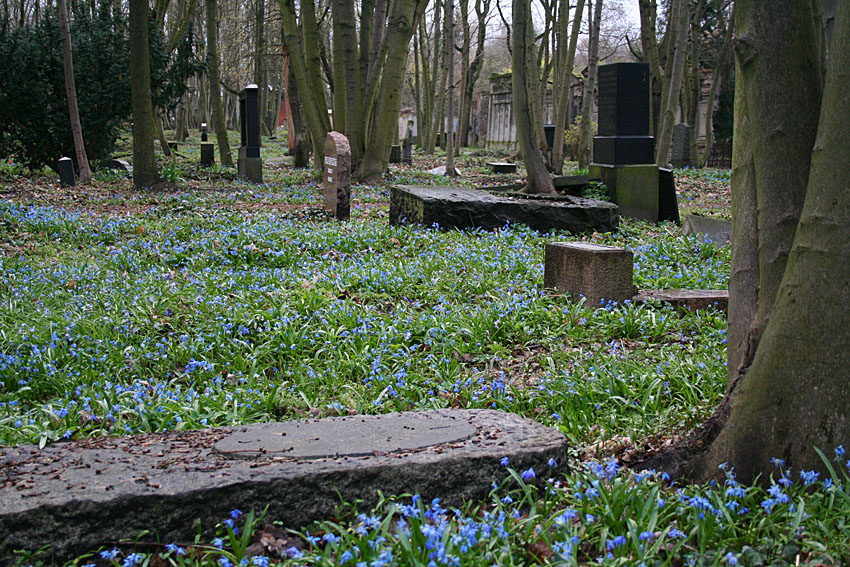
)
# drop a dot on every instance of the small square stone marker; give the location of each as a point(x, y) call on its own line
point(599, 273)
point(336, 182)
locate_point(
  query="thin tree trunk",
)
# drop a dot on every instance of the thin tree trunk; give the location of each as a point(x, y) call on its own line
point(586, 143)
point(522, 48)
point(71, 94)
point(563, 93)
point(214, 88)
point(676, 69)
point(450, 63)
point(145, 172)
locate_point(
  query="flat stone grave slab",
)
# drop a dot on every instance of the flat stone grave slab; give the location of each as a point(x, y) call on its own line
point(502, 167)
point(280, 161)
point(454, 207)
point(571, 184)
point(708, 228)
point(691, 299)
point(79, 495)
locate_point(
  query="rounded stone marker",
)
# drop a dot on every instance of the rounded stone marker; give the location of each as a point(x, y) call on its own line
point(354, 436)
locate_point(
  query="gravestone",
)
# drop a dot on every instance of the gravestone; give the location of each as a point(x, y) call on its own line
point(119, 164)
point(502, 167)
point(336, 185)
point(395, 154)
point(708, 228)
point(570, 184)
point(593, 271)
point(407, 148)
point(623, 137)
point(624, 152)
point(207, 154)
point(203, 131)
point(66, 172)
point(250, 165)
point(680, 155)
point(79, 495)
point(549, 131)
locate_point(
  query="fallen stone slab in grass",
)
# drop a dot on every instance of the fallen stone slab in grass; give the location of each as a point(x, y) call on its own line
point(692, 299)
point(78, 495)
point(454, 207)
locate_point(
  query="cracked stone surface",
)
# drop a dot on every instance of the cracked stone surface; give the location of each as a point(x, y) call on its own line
point(77, 495)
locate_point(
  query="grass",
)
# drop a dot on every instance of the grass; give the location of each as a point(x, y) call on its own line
point(226, 303)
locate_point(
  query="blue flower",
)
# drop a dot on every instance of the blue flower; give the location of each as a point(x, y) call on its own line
point(528, 475)
point(731, 559)
point(552, 463)
point(235, 513)
point(293, 552)
point(839, 452)
point(809, 477)
point(132, 560)
point(225, 562)
point(175, 549)
point(109, 554)
point(260, 561)
point(646, 536)
point(503, 461)
point(345, 557)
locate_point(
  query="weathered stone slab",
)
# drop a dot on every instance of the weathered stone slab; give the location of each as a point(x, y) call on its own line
point(336, 182)
point(453, 207)
point(708, 228)
point(571, 184)
point(117, 164)
point(599, 273)
point(78, 495)
point(691, 299)
point(502, 167)
point(680, 153)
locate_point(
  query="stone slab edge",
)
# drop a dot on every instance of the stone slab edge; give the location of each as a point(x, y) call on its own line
point(166, 482)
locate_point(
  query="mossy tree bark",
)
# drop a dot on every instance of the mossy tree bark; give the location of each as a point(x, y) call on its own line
point(523, 57)
point(679, 26)
point(214, 87)
point(791, 235)
point(145, 172)
point(586, 136)
point(566, 60)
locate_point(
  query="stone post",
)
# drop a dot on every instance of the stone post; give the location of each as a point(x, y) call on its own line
point(66, 172)
point(250, 165)
point(336, 183)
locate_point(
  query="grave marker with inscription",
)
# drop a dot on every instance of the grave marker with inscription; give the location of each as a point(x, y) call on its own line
point(336, 183)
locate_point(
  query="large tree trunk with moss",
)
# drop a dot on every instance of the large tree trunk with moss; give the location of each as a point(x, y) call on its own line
point(789, 336)
point(567, 58)
point(522, 53)
point(145, 172)
point(71, 94)
point(214, 88)
point(586, 136)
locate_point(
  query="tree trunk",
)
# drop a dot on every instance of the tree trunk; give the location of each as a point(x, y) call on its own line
point(450, 63)
point(302, 144)
point(794, 394)
point(718, 78)
point(566, 74)
point(649, 46)
point(145, 172)
point(260, 66)
point(679, 25)
point(71, 94)
point(788, 342)
point(522, 43)
point(347, 80)
point(214, 88)
point(587, 101)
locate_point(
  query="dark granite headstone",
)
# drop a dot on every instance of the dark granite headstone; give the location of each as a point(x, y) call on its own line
point(681, 153)
point(668, 206)
point(66, 172)
point(395, 154)
point(336, 185)
point(250, 165)
point(203, 131)
point(207, 154)
point(502, 167)
point(549, 131)
point(623, 115)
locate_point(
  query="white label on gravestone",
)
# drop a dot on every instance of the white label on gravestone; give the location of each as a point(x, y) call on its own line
point(330, 171)
point(330, 179)
point(330, 161)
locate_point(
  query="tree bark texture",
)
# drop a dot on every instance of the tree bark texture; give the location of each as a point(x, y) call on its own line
point(586, 143)
point(145, 172)
point(219, 125)
point(522, 53)
point(679, 26)
point(71, 94)
point(563, 93)
point(794, 394)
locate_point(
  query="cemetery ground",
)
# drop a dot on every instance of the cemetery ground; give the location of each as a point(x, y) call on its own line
point(214, 302)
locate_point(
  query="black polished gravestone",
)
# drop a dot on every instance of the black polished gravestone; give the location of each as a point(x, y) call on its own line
point(66, 172)
point(250, 165)
point(624, 152)
point(623, 137)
